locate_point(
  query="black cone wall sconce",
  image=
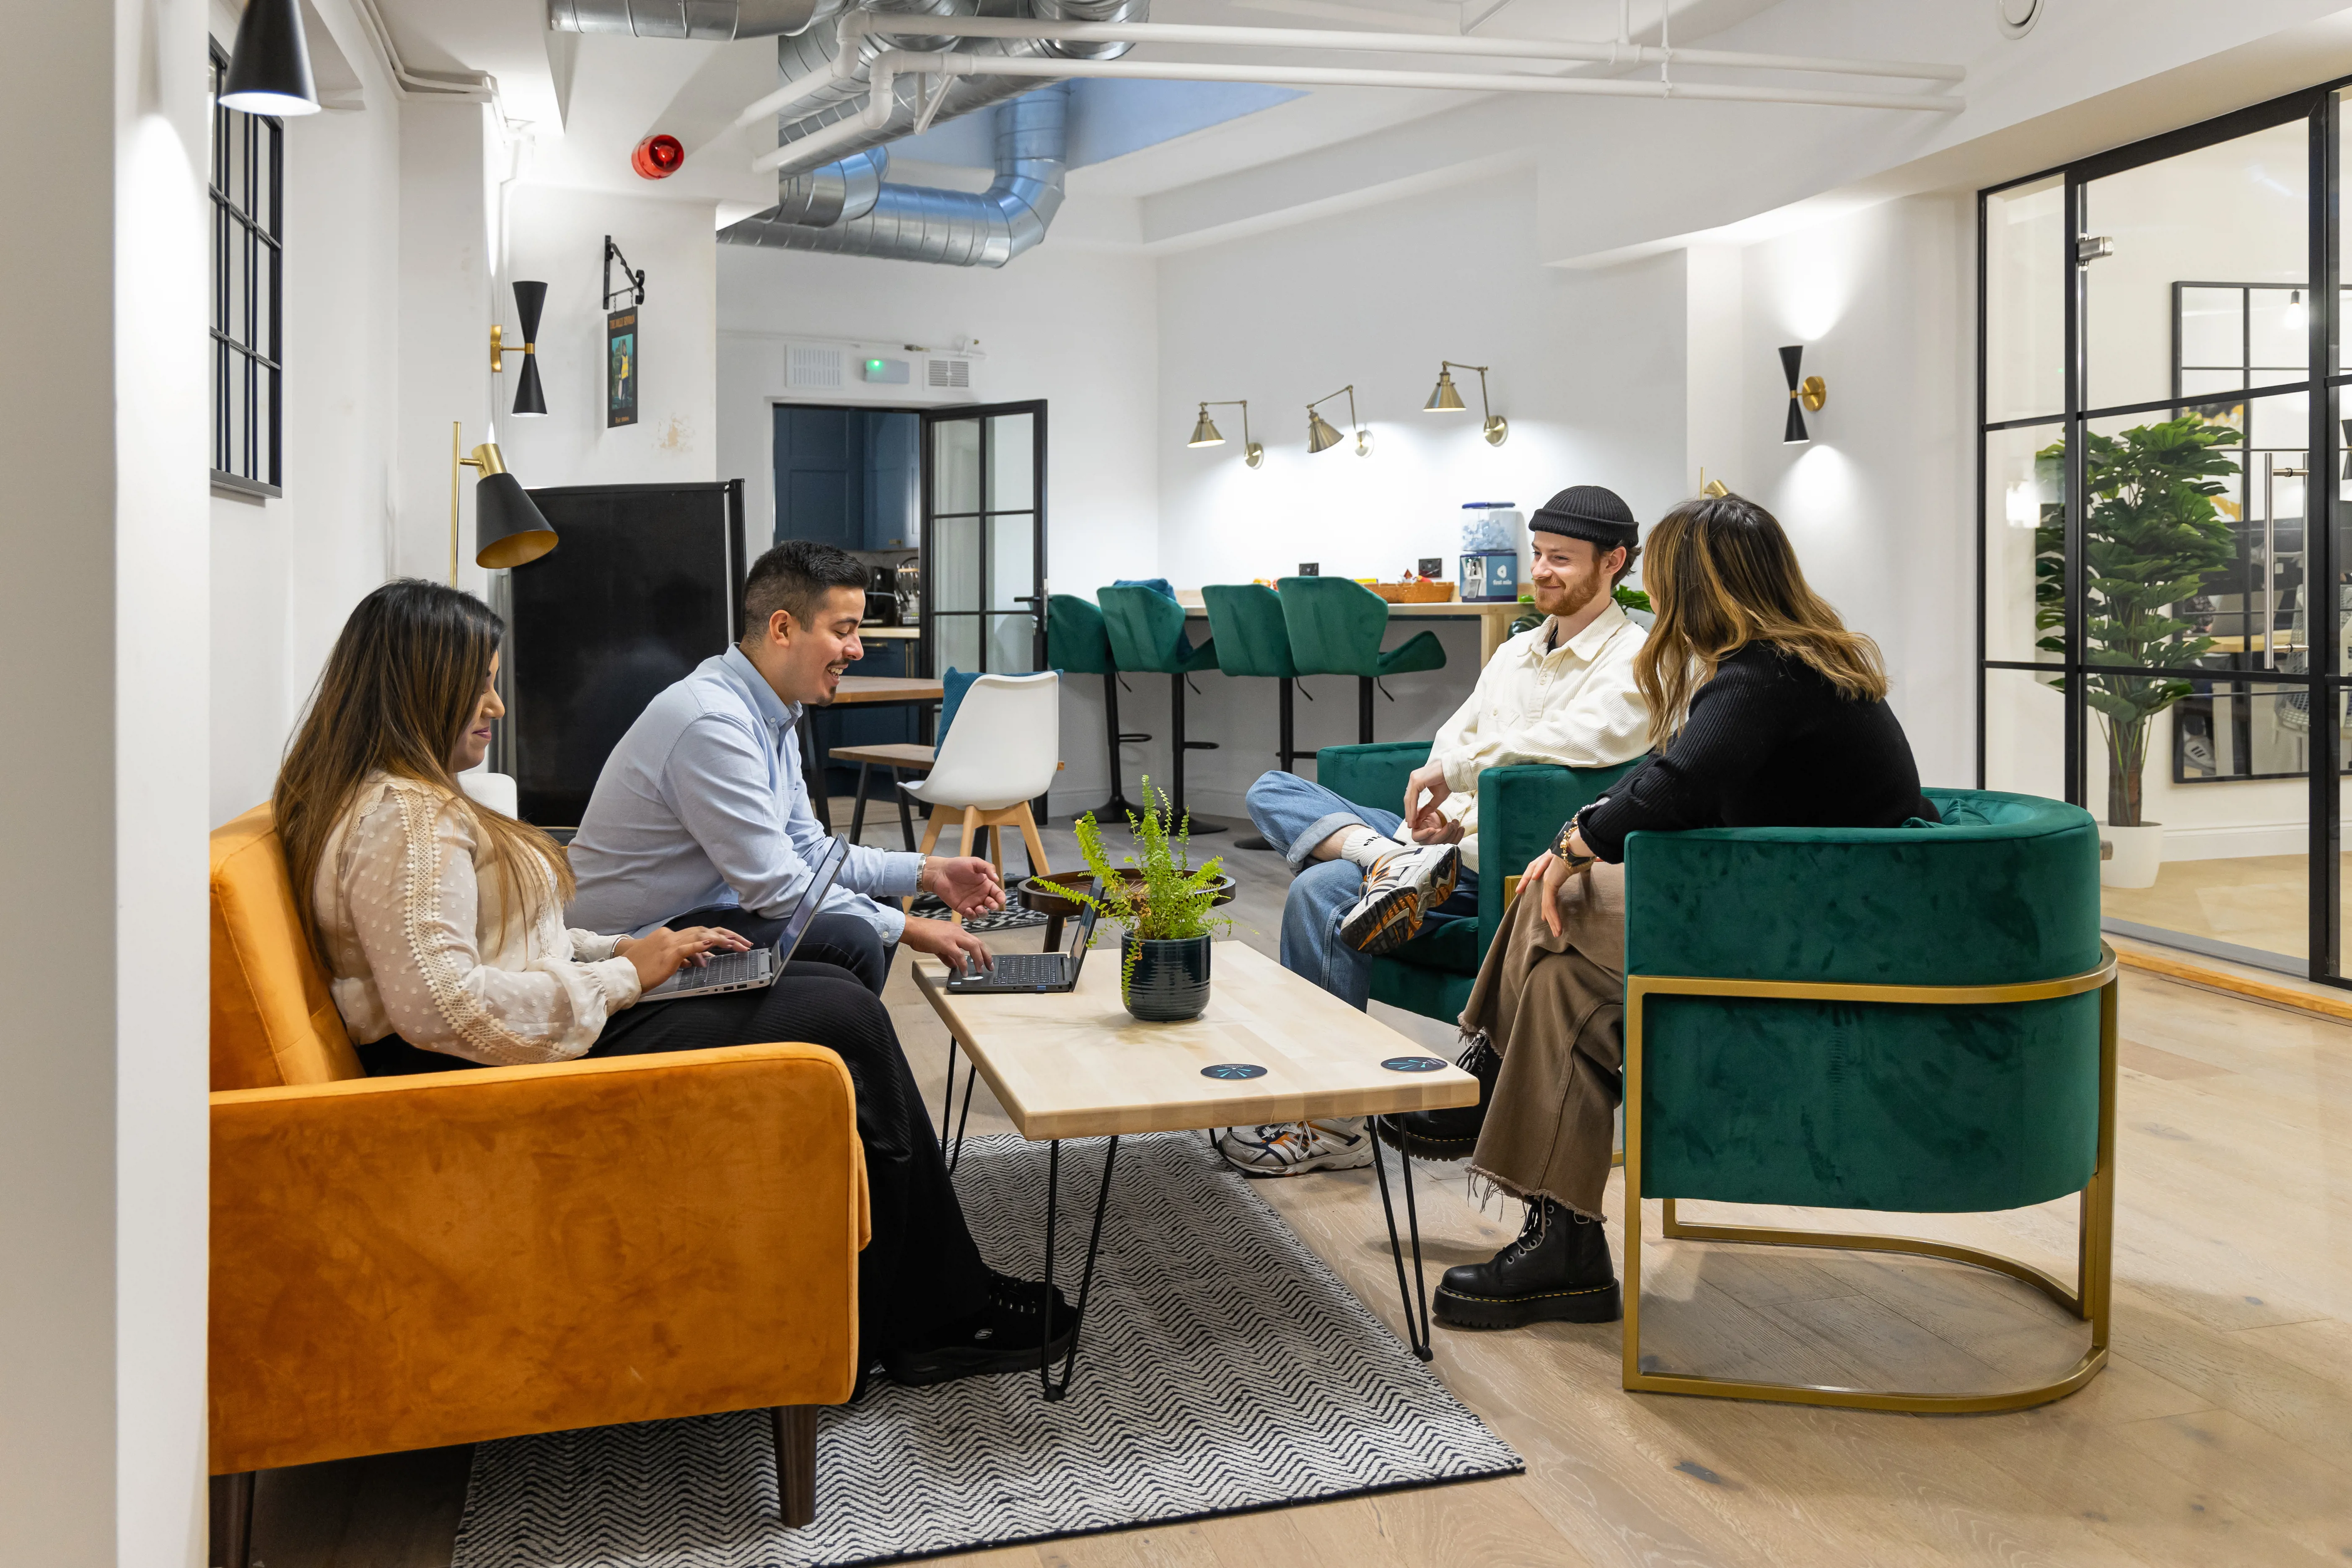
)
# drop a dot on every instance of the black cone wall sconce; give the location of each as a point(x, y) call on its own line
point(510, 530)
point(530, 303)
point(1811, 392)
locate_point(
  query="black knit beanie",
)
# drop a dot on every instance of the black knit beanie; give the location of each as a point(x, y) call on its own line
point(1590, 513)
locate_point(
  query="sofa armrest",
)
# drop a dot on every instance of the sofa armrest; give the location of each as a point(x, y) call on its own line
point(409, 1262)
point(1371, 775)
point(1520, 809)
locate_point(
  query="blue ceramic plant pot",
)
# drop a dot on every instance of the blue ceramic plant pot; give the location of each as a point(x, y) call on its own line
point(1169, 982)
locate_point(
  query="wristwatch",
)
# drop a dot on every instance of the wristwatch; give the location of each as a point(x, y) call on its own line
point(1576, 862)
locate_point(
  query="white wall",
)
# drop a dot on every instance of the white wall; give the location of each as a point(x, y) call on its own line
point(1587, 366)
point(285, 571)
point(557, 237)
point(1878, 503)
point(102, 1151)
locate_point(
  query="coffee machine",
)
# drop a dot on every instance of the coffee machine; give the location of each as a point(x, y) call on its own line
point(882, 598)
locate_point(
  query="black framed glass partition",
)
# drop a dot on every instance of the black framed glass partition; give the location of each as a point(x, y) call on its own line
point(2161, 473)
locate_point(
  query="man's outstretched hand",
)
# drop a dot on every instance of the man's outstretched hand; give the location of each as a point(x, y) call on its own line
point(948, 942)
point(968, 884)
point(1422, 818)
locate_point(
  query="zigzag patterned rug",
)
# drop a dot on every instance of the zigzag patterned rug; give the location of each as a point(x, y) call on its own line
point(1222, 1369)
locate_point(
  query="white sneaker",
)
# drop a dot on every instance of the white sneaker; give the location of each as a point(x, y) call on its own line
point(1295, 1148)
point(1399, 890)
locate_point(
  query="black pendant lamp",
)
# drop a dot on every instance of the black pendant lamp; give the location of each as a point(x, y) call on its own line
point(269, 70)
point(530, 301)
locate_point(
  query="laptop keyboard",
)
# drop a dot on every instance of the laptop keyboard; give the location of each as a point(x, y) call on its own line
point(724, 969)
point(1023, 969)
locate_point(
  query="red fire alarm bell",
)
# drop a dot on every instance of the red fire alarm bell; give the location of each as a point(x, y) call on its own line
point(658, 157)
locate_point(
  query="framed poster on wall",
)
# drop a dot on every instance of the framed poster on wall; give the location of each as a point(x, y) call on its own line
point(621, 368)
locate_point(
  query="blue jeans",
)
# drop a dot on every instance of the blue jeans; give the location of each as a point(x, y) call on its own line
point(1296, 816)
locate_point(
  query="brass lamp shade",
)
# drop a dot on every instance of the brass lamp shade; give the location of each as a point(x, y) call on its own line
point(1204, 431)
point(1320, 434)
point(1444, 399)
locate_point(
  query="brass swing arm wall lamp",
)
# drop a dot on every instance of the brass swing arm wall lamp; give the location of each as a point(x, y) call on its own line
point(1205, 433)
point(1321, 437)
point(1444, 399)
point(509, 528)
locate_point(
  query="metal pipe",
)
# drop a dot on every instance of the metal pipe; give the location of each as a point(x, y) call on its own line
point(713, 21)
point(819, 147)
point(1611, 53)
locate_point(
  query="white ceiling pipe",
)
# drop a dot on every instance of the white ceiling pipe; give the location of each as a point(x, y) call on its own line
point(805, 153)
point(858, 24)
point(1626, 54)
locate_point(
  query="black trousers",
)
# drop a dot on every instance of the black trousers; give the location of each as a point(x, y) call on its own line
point(842, 939)
point(921, 1271)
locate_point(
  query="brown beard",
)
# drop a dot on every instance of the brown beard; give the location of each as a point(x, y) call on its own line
point(1591, 590)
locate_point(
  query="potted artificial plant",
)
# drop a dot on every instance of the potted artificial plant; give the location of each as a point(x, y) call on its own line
point(2152, 538)
point(1163, 970)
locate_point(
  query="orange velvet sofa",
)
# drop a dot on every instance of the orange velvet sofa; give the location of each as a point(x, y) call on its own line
point(409, 1262)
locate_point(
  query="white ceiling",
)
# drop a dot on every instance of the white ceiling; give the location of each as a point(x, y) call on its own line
point(583, 102)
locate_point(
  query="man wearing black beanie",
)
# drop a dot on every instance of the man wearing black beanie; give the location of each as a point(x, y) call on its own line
point(1367, 879)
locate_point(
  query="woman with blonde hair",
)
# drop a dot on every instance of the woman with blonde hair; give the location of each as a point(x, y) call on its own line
point(441, 922)
point(1765, 711)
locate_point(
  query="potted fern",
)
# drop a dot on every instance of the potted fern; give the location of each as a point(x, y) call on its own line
point(1165, 903)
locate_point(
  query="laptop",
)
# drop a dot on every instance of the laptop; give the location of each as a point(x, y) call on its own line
point(1031, 971)
point(756, 967)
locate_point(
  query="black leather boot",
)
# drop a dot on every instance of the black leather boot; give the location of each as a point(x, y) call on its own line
point(1450, 1133)
point(1557, 1271)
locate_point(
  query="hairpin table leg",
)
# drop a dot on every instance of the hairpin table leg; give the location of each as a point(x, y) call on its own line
point(1415, 1295)
point(1054, 1390)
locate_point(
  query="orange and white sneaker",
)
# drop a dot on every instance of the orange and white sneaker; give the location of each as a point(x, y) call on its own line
point(1399, 890)
point(1295, 1148)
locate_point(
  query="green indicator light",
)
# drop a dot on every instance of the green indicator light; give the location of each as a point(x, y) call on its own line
point(874, 364)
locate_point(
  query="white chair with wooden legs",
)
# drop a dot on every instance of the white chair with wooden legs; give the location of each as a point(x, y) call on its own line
point(999, 754)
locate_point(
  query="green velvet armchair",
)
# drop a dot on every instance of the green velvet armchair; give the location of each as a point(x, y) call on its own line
point(1519, 811)
point(1916, 1019)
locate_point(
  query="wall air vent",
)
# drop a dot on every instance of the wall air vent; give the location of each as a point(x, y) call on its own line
point(948, 375)
point(809, 364)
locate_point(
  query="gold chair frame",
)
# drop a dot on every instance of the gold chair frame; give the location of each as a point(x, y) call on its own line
point(2095, 1262)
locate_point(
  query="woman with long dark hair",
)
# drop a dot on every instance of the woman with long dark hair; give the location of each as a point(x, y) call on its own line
point(441, 922)
point(1765, 711)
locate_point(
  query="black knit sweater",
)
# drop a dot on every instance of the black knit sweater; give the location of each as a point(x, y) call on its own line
point(1769, 743)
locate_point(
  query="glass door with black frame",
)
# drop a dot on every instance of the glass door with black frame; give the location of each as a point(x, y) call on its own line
point(985, 538)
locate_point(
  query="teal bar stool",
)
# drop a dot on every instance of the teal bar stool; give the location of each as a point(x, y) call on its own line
point(1246, 623)
point(1076, 643)
point(1335, 628)
point(1146, 628)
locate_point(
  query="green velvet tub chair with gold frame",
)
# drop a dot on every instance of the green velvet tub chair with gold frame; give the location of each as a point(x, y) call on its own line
point(1918, 1019)
point(1520, 809)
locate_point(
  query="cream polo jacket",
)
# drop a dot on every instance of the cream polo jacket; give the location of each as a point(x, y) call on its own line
point(410, 916)
point(1574, 704)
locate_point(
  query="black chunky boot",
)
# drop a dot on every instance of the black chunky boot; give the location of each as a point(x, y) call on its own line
point(1557, 1271)
point(1450, 1133)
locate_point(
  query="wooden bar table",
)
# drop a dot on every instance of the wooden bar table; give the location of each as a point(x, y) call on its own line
point(1272, 1046)
point(856, 690)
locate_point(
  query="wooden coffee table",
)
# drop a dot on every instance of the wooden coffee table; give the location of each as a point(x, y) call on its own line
point(1271, 1048)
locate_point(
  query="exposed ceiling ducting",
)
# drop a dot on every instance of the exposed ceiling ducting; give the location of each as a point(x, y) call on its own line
point(709, 21)
point(822, 209)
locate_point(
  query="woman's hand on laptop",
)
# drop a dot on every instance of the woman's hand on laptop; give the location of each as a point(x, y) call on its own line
point(968, 884)
point(948, 942)
point(658, 954)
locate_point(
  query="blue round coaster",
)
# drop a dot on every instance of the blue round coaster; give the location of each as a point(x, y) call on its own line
point(1233, 1070)
point(1413, 1063)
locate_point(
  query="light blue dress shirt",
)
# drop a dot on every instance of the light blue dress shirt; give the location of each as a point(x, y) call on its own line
point(702, 803)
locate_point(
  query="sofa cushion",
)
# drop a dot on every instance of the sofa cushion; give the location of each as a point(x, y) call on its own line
point(273, 1021)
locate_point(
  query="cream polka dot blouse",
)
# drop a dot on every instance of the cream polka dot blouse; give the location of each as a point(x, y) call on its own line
point(409, 908)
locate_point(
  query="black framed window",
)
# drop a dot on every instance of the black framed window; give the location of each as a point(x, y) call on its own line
point(248, 188)
point(2162, 589)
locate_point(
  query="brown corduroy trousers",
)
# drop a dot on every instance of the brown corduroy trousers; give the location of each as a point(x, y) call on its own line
point(1554, 1009)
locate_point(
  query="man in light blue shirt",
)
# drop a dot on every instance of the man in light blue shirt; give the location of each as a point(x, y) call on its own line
point(701, 809)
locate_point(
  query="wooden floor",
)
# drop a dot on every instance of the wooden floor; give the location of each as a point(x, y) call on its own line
point(2220, 1433)
point(2262, 901)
